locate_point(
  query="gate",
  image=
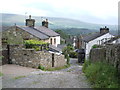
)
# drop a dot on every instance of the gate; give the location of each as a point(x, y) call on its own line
point(6, 56)
point(52, 59)
point(81, 55)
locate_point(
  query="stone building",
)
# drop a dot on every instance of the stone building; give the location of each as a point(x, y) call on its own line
point(16, 52)
point(16, 34)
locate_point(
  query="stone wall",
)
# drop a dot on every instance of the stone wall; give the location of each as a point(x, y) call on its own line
point(109, 53)
point(4, 57)
point(32, 58)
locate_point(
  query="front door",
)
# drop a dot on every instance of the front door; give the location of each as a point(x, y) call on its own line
point(52, 60)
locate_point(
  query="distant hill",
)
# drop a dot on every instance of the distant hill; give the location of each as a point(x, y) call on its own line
point(69, 26)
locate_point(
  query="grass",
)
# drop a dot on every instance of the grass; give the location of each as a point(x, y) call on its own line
point(54, 68)
point(70, 70)
point(101, 75)
point(58, 68)
point(1, 74)
point(36, 82)
point(1, 57)
point(19, 77)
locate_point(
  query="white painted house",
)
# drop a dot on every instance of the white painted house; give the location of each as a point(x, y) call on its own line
point(114, 40)
point(54, 38)
point(97, 38)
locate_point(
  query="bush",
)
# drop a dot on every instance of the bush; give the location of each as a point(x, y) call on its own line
point(1, 74)
point(41, 67)
point(101, 75)
point(68, 59)
point(85, 65)
point(33, 43)
point(73, 54)
point(95, 46)
point(67, 49)
point(1, 57)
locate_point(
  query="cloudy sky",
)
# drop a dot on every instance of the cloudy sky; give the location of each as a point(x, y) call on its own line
point(92, 11)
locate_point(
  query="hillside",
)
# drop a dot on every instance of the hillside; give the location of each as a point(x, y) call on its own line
point(69, 26)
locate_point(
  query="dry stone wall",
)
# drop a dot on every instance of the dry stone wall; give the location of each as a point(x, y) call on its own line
point(109, 53)
point(32, 58)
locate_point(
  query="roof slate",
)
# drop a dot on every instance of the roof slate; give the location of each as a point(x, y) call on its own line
point(47, 31)
point(40, 32)
point(112, 39)
point(92, 36)
point(52, 47)
point(33, 32)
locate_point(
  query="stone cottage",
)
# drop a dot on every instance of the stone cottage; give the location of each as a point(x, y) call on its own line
point(16, 53)
point(19, 33)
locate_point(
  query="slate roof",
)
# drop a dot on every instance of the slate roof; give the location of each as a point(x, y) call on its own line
point(34, 32)
point(47, 31)
point(92, 36)
point(55, 49)
point(40, 32)
point(112, 39)
point(61, 46)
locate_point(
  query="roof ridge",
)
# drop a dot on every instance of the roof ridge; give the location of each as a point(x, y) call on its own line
point(93, 36)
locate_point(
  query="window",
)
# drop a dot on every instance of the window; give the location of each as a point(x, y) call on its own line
point(51, 40)
point(54, 40)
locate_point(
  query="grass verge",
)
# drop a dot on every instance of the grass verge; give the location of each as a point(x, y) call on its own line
point(19, 77)
point(54, 68)
point(101, 75)
point(1, 74)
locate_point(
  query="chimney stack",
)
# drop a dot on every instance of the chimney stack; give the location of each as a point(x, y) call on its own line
point(45, 23)
point(30, 22)
point(104, 30)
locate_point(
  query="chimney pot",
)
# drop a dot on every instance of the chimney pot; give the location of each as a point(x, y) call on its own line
point(104, 30)
point(30, 22)
point(45, 23)
point(29, 16)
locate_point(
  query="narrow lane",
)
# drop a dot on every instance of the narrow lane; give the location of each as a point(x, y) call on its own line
point(71, 77)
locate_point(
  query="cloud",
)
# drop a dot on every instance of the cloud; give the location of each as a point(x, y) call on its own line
point(76, 9)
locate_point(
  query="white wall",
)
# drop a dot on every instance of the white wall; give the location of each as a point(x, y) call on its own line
point(116, 41)
point(96, 41)
point(57, 40)
point(74, 41)
point(53, 42)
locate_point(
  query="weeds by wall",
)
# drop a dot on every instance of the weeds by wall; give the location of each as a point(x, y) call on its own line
point(101, 75)
point(109, 54)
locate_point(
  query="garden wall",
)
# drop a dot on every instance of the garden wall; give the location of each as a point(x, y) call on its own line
point(109, 53)
point(32, 58)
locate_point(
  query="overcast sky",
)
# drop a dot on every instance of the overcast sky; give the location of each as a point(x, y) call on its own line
point(92, 11)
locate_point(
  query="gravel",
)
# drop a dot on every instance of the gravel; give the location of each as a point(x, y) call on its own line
point(71, 77)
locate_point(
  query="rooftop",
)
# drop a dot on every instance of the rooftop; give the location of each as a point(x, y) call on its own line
point(92, 36)
point(47, 31)
point(40, 32)
point(34, 32)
